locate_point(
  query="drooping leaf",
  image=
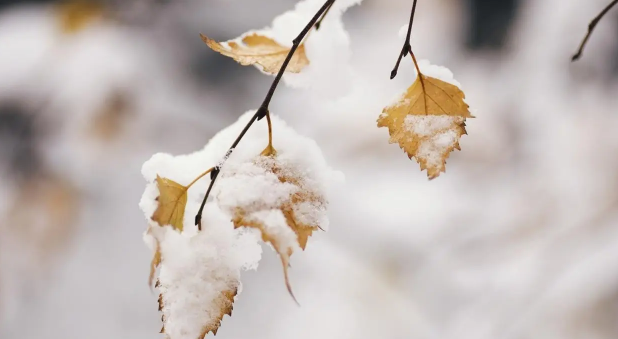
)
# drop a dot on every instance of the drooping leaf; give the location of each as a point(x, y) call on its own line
point(257, 49)
point(286, 224)
point(172, 202)
point(427, 122)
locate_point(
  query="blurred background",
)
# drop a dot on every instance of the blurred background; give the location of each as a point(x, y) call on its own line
point(519, 239)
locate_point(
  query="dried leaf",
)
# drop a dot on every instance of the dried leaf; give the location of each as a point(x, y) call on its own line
point(172, 202)
point(289, 211)
point(258, 49)
point(428, 122)
point(76, 15)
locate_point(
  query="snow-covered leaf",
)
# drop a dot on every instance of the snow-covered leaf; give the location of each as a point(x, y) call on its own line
point(427, 122)
point(287, 220)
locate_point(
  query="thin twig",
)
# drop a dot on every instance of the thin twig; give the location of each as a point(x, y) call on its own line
point(263, 110)
point(407, 47)
point(591, 27)
point(319, 23)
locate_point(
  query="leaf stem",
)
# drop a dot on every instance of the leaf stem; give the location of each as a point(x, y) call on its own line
point(269, 150)
point(591, 27)
point(407, 47)
point(420, 77)
point(263, 110)
point(199, 177)
point(270, 131)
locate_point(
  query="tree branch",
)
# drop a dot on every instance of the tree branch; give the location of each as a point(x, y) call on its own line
point(591, 27)
point(263, 110)
point(407, 47)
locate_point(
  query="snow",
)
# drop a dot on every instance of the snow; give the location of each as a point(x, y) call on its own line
point(425, 125)
point(197, 266)
point(437, 135)
point(433, 149)
point(197, 269)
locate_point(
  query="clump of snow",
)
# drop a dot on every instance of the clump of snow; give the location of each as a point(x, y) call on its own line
point(438, 72)
point(275, 227)
point(197, 269)
point(432, 150)
point(197, 266)
point(426, 125)
point(437, 135)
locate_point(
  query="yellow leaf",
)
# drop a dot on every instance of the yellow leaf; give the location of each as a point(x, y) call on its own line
point(302, 227)
point(172, 202)
point(75, 15)
point(427, 122)
point(261, 50)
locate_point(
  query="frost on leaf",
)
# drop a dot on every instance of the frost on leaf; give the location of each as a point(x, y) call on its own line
point(256, 49)
point(427, 122)
point(286, 212)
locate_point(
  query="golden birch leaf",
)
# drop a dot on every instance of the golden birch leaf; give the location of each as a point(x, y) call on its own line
point(427, 122)
point(257, 49)
point(172, 202)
